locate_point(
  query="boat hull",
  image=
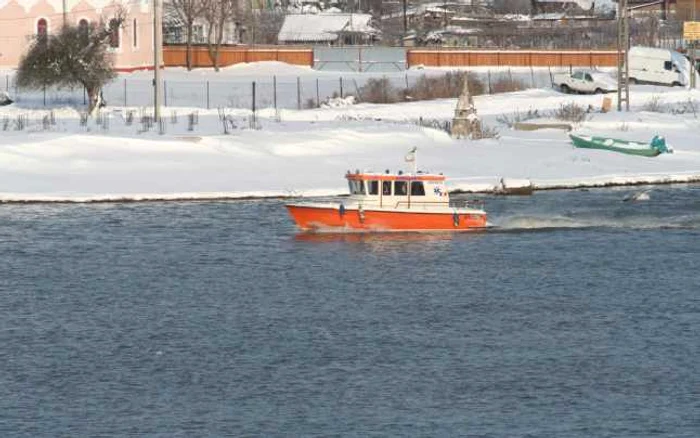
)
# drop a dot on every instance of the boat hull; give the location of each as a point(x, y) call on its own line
point(615, 145)
point(326, 218)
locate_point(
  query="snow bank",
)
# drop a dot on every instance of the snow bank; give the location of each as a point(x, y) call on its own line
point(307, 152)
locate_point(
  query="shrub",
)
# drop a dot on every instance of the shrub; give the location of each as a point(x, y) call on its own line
point(449, 85)
point(654, 105)
point(489, 132)
point(310, 103)
point(379, 91)
point(571, 112)
point(517, 117)
point(506, 85)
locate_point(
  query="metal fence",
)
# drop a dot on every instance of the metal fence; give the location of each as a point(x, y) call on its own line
point(284, 92)
point(360, 59)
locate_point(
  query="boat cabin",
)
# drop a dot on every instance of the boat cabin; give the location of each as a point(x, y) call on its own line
point(398, 190)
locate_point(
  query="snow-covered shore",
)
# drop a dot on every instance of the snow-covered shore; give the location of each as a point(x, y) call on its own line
point(307, 152)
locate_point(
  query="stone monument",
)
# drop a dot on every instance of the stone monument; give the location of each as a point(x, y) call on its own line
point(466, 124)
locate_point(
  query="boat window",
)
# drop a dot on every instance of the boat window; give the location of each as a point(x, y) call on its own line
point(668, 65)
point(417, 188)
point(357, 187)
point(373, 187)
point(386, 188)
point(400, 188)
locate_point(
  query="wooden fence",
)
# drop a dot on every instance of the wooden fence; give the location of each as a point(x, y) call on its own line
point(510, 58)
point(174, 56)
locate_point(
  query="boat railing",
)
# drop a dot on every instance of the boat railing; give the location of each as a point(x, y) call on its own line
point(477, 204)
point(407, 204)
point(467, 203)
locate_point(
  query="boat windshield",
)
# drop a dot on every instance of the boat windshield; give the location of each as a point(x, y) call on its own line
point(357, 187)
point(373, 187)
point(417, 188)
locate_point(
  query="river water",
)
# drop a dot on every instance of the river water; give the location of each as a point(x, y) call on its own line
point(576, 315)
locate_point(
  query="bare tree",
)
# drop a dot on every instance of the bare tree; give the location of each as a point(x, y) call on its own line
point(265, 25)
point(188, 11)
point(217, 14)
point(74, 56)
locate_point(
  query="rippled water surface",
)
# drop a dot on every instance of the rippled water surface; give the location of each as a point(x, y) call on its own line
point(576, 315)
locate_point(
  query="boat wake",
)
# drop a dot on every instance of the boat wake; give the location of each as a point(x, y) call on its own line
point(543, 223)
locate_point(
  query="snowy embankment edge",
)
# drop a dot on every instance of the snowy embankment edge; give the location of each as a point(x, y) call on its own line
point(485, 189)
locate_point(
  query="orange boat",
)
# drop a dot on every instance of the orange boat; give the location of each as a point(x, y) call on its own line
point(390, 202)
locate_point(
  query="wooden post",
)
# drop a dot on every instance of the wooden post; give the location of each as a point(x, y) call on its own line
point(274, 91)
point(298, 92)
point(207, 94)
point(318, 96)
point(253, 107)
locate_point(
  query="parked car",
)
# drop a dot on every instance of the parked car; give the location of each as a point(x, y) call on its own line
point(584, 81)
point(651, 65)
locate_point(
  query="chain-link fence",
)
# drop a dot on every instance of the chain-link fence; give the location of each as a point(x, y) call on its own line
point(285, 92)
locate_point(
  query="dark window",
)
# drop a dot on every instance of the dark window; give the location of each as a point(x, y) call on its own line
point(417, 188)
point(386, 188)
point(373, 187)
point(668, 65)
point(578, 75)
point(400, 188)
point(114, 33)
point(589, 78)
point(42, 28)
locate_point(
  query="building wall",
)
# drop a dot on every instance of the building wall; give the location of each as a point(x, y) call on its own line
point(19, 20)
point(684, 10)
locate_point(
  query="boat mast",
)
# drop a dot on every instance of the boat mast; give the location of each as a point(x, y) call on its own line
point(415, 161)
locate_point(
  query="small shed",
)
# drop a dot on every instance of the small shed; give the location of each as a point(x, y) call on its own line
point(328, 28)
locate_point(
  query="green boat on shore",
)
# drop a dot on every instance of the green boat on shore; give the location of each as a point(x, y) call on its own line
point(655, 147)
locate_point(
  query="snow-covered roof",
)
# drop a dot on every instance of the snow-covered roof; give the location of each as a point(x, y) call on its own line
point(323, 26)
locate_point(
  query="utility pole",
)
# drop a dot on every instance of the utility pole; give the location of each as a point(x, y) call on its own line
point(623, 46)
point(692, 53)
point(65, 14)
point(405, 20)
point(157, 56)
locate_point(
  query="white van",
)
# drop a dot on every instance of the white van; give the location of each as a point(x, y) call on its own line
point(651, 65)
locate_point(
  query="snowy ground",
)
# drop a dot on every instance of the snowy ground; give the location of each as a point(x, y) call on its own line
point(307, 152)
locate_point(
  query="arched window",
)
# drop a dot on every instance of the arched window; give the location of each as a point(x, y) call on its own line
point(114, 33)
point(42, 28)
point(136, 32)
point(83, 29)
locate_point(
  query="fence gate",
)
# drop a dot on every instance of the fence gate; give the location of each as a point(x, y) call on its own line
point(360, 59)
